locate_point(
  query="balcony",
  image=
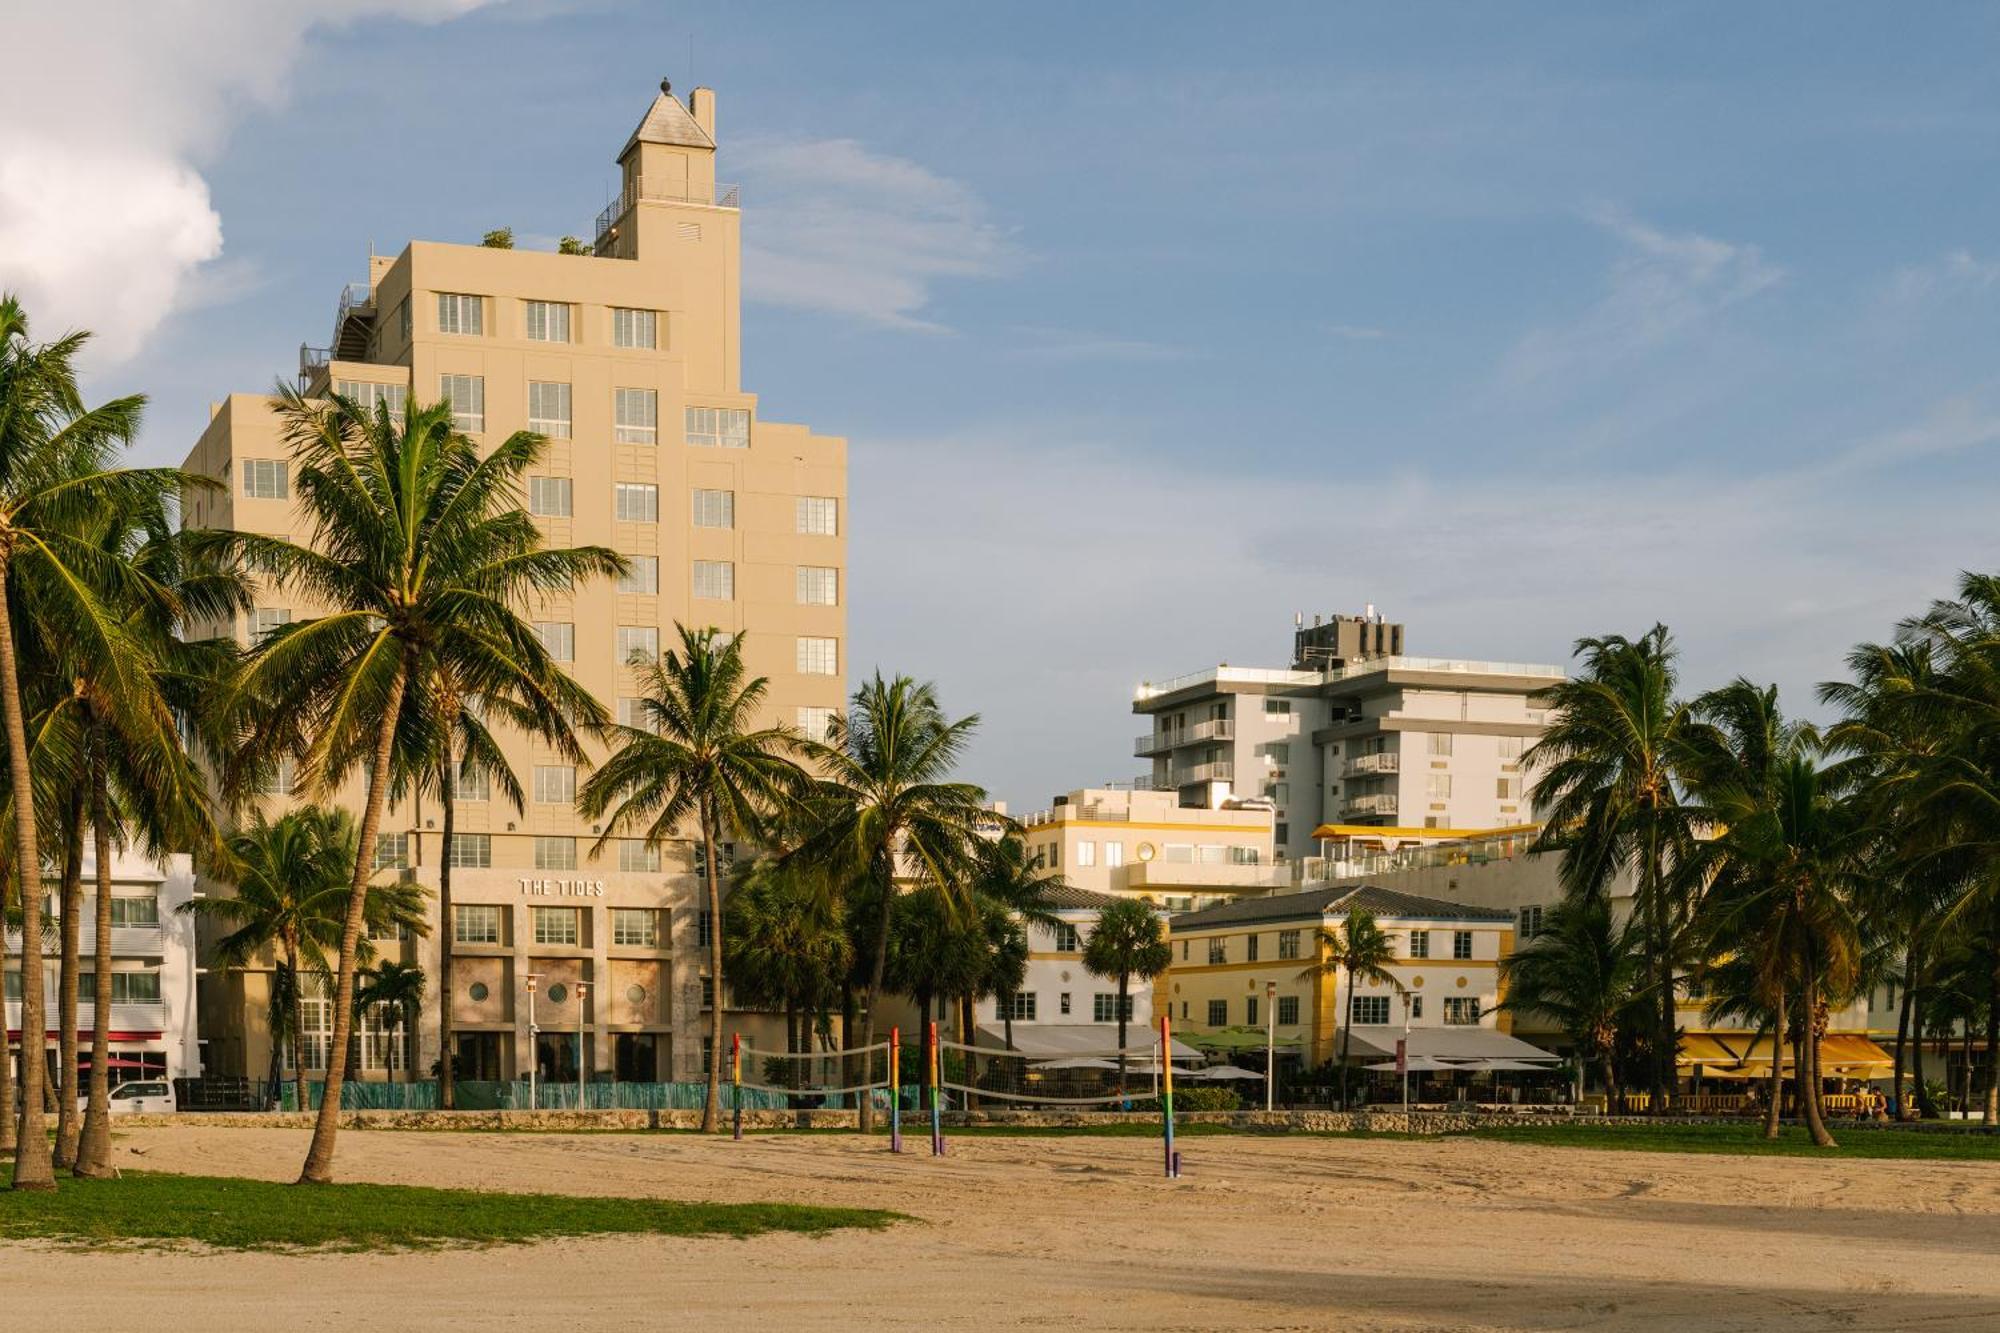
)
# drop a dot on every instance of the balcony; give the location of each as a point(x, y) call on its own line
point(723, 196)
point(1159, 742)
point(1366, 764)
point(313, 362)
point(1222, 770)
point(353, 322)
point(1221, 676)
point(147, 1017)
point(1383, 803)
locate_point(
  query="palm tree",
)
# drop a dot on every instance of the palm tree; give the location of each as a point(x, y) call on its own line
point(395, 990)
point(418, 545)
point(784, 944)
point(1127, 941)
point(57, 467)
point(1014, 893)
point(892, 818)
point(1362, 951)
point(1584, 973)
point(1609, 776)
point(698, 758)
point(291, 877)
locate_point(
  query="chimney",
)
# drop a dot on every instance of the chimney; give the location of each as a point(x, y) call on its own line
point(701, 102)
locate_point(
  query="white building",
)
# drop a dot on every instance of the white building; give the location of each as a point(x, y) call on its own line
point(153, 1028)
point(1062, 1007)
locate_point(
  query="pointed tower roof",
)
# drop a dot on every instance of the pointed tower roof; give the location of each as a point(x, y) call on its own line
point(668, 121)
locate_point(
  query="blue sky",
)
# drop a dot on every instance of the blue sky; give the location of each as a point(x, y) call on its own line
point(1153, 324)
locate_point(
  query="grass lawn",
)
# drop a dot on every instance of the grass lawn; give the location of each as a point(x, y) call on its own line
point(1854, 1140)
point(146, 1208)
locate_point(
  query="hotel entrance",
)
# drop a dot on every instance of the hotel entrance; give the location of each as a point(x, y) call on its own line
point(637, 1057)
point(478, 1057)
point(555, 1057)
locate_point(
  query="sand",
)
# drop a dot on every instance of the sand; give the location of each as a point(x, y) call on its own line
point(1044, 1232)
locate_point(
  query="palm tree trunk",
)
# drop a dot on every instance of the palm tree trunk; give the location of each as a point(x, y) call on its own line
point(1663, 961)
point(66, 979)
point(93, 1158)
point(318, 1167)
point(1772, 1118)
point(8, 1120)
point(1346, 1000)
point(876, 968)
point(1903, 1111)
point(33, 1169)
point(965, 1031)
point(1124, 981)
point(1610, 1083)
point(1807, 1060)
point(1921, 1107)
point(295, 1017)
point(711, 1110)
point(1990, 1113)
point(447, 1091)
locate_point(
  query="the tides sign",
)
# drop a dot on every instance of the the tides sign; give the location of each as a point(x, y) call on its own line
point(563, 888)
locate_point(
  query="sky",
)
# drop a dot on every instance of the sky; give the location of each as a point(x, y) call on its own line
point(1151, 325)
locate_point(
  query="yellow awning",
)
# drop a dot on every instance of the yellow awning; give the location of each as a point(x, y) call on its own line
point(1849, 1053)
point(1700, 1048)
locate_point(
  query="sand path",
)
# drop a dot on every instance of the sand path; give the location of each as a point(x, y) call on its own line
point(1032, 1233)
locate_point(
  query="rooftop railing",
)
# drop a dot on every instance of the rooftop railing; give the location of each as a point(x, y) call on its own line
point(723, 196)
point(1225, 675)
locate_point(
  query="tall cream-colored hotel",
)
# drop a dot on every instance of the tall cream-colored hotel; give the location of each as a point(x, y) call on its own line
point(629, 360)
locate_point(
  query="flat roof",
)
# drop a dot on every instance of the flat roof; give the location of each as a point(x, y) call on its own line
point(1337, 900)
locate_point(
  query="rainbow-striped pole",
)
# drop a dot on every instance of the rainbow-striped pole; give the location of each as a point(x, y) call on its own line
point(937, 1122)
point(1167, 1094)
point(896, 1089)
point(736, 1080)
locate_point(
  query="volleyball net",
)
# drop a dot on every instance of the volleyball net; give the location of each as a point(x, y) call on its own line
point(972, 1076)
point(812, 1079)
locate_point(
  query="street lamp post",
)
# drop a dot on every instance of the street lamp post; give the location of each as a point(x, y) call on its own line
point(1403, 1058)
point(534, 1045)
point(1270, 1046)
point(581, 990)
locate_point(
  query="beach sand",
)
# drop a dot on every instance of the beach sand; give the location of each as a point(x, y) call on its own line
point(1354, 1234)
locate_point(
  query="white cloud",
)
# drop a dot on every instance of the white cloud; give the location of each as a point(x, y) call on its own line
point(1958, 272)
point(1957, 425)
point(1663, 288)
point(1356, 332)
point(105, 220)
point(839, 229)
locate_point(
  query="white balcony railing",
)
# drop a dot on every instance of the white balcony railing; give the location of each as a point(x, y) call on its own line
point(1215, 729)
point(1222, 770)
point(1383, 803)
point(1362, 765)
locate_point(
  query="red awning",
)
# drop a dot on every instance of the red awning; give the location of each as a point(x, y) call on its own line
point(85, 1034)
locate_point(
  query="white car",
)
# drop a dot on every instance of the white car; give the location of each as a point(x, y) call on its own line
point(140, 1096)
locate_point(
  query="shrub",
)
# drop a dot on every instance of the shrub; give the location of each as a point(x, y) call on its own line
point(569, 245)
point(1196, 1099)
point(500, 238)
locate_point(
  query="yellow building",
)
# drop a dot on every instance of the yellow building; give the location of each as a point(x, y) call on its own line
point(1147, 844)
point(1232, 960)
point(629, 360)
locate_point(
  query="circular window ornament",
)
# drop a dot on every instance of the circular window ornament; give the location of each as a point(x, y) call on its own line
point(1416, 981)
point(558, 993)
point(1461, 983)
point(1145, 851)
point(477, 991)
point(636, 994)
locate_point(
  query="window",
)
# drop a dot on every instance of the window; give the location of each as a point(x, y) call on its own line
point(632, 713)
point(1288, 944)
point(558, 638)
point(1416, 1005)
point(818, 585)
point(392, 851)
point(280, 780)
point(1531, 921)
point(638, 644)
point(1281, 834)
point(1250, 956)
point(1510, 748)
point(1179, 853)
point(1218, 949)
point(635, 927)
point(550, 497)
point(635, 328)
point(555, 925)
point(471, 783)
point(1218, 1013)
point(1067, 939)
point(267, 618)
point(1277, 708)
point(635, 857)
point(555, 853)
point(548, 408)
point(725, 859)
point(1288, 1010)
point(1461, 1011)
point(1438, 786)
point(1114, 853)
point(715, 579)
point(819, 516)
point(1250, 1010)
point(1438, 743)
point(637, 503)
point(467, 396)
point(1461, 944)
point(819, 657)
point(368, 395)
point(635, 416)
point(715, 509)
point(814, 723)
point(126, 987)
point(555, 784)
point(266, 478)
point(472, 851)
point(1370, 1010)
point(1086, 854)
point(1507, 789)
point(403, 318)
point(702, 928)
point(1020, 1006)
point(1244, 856)
point(475, 923)
point(1278, 752)
point(641, 576)
point(1104, 1007)
point(459, 313)
point(719, 427)
point(548, 321)
point(1062, 1003)
point(1420, 944)
point(127, 913)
